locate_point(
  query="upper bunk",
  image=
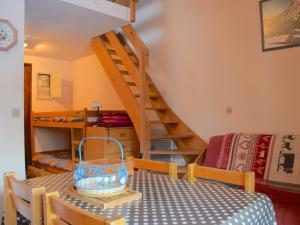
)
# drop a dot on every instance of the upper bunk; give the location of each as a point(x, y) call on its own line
point(81, 119)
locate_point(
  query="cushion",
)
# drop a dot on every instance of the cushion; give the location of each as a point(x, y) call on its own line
point(213, 151)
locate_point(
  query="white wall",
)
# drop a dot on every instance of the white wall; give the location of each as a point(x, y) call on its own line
point(11, 92)
point(91, 83)
point(52, 66)
point(206, 55)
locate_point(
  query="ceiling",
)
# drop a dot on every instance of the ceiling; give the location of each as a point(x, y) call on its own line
point(61, 30)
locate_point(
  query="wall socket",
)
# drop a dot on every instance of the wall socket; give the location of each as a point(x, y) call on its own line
point(15, 112)
point(228, 109)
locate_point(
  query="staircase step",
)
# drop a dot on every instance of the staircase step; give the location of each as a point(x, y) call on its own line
point(164, 122)
point(171, 136)
point(124, 72)
point(175, 152)
point(151, 95)
point(157, 108)
point(115, 57)
point(108, 46)
point(130, 83)
point(122, 68)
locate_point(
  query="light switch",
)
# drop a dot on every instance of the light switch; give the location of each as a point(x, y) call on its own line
point(228, 109)
point(15, 112)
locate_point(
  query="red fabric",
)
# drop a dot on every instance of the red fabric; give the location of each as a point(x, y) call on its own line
point(245, 152)
point(213, 151)
point(280, 196)
point(286, 203)
point(287, 214)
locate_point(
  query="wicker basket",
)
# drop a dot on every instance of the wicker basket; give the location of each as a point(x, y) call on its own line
point(101, 177)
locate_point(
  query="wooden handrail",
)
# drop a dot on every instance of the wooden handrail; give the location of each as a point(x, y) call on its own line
point(136, 41)
point(132, 11)
point(143, 55)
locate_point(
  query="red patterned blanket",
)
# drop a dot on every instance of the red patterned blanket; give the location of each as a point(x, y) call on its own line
point(273, 158)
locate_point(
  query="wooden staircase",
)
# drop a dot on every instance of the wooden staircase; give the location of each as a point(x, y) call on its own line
point(125, 58)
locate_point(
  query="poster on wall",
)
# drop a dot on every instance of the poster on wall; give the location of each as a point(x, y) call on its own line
point(280, 21)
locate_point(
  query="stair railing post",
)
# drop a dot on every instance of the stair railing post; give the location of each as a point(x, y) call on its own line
point(145, 136)
point(132, 11)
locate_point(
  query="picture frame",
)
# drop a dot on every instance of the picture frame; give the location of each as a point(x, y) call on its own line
point(43, 86)
point(280, 24)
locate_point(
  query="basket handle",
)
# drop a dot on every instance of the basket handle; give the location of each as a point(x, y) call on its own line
point(101, 138)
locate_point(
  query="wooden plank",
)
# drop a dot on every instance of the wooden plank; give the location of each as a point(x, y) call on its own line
point(57, 208)
point(232, 177)
point(128, 64)
point(163, 167)
point(119, 83)
point(58, 124)
point(171, 136)
point(19, 188)
point(157, 108)
point(108, 202)
point(10, 211)
point(250, 182)
point(136, 41)
point(74, 113)
point(132, 11)
point(21, 206)
point(175, 152)
point(163, 122)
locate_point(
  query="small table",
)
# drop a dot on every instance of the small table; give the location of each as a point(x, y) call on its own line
point(180, 202)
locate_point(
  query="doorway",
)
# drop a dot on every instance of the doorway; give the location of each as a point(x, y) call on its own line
point(27, 112)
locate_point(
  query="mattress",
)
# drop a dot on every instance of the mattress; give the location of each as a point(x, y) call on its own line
point(58, 160)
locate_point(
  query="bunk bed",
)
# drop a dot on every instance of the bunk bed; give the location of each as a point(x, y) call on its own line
point(78, 123)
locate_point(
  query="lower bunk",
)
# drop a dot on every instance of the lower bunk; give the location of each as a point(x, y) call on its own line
point(48, 163)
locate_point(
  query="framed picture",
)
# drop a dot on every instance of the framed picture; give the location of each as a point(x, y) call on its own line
point(280, 22)
point(43, 91)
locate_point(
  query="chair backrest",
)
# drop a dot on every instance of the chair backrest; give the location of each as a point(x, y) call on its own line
point(22, 198)
point(246, 180)
point(57, 211)
point(162, 167)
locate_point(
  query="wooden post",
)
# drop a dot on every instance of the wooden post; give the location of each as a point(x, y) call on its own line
point(132, 11)
point(10, 211)
point(250, 182)
point(191, 172)
point(49, 216)
point(173, 171)
point(37, 205)
point(144, 145)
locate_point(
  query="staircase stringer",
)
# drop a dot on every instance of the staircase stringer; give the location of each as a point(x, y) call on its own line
point(196, 142)
point(128, 63)
point(118, 82)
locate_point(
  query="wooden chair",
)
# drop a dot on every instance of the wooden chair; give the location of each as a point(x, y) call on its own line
point(246, 180)
point(22, 198)
point(162, 167)
point(57, 211)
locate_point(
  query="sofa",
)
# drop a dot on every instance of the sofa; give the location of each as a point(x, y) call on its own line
point(274, 158)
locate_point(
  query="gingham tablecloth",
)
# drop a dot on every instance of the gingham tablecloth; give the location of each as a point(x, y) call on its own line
point(180, 202)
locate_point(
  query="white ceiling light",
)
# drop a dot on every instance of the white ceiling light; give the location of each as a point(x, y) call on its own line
point(25, 45)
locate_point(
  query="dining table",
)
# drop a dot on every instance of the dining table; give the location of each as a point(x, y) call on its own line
point(172, 202)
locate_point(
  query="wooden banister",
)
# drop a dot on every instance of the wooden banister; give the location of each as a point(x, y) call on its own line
point(143, 56)
point(132, 10)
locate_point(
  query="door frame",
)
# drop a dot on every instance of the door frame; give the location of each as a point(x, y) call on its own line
point(27, 113)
